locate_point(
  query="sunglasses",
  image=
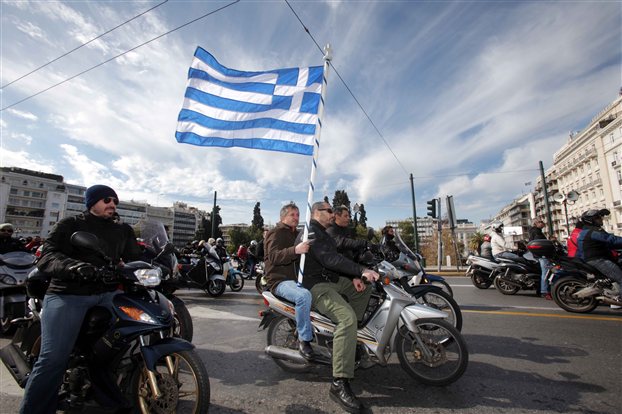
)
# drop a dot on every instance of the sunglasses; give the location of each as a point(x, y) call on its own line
point(328, 210)
point(107, 200)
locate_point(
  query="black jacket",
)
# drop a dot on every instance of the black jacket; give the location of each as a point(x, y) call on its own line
point(118, 242)
point(595, 243)
point(11, 244)
point(346, 245)
point(535, 233)
point(323, 263)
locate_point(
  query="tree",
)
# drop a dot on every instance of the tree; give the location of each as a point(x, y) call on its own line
point(429, 250)
point(475, 242)
point(341, 199)
point(205, 226)
point(257, 219)
point(362, 220)
point(326, 200)
point(241, 235)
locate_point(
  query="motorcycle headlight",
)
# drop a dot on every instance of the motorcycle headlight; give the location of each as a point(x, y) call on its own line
point(148, 277)
point(8, 279)
point(137, 314)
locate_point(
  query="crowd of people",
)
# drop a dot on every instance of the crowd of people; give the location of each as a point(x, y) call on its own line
point(9, 243)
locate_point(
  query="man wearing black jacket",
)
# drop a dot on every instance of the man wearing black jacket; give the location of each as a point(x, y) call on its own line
point(328, 275)
point(340, 231)
point(74, 289)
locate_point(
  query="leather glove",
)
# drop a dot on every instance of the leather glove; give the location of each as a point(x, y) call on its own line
point(84, 271)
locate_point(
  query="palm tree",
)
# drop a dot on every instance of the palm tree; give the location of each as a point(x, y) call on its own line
point(475, 241)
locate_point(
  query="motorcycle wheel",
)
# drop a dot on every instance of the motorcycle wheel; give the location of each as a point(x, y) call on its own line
point(237, 283)
point(443, 302)
point(183, 321)
point(504, 287)
point(282, 332)
point(563, 291)
point(258, 284)
point(185, 390)
point(480, 281)
point(435, 355)
point(216, 288)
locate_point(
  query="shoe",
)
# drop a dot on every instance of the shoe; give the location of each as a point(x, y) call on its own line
point(548, 296)
point(538, 295)
point(615, 306)
point(342, 394)
point(304, 347)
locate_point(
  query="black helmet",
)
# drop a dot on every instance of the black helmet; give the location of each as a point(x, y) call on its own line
point(592, 214)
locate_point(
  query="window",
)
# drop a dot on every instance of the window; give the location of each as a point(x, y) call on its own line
point(13, 191)
point(51, 223)
point(26, 193)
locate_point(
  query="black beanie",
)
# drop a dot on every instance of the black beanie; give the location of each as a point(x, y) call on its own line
point(97, 192)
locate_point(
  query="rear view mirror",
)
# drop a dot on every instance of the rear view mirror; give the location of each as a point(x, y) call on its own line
point(87, 241)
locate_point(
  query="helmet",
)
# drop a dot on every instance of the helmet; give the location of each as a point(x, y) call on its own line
point(201, 243)
point(497, 226)
point(592, 214)
point(253, 243)
point(211, 241)
point(219, 241)
point(486, 237)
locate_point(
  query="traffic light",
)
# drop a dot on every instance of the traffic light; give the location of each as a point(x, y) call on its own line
point(432, 208)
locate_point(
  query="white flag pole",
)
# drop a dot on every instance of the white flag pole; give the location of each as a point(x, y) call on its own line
point(316, 149)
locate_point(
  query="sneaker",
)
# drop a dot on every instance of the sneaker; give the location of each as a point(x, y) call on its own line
point(548, 296)
point(615, 306)
point(304, 347)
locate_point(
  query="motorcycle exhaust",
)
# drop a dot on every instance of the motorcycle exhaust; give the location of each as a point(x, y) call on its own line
point(287, 354)
point(608, 301)
point(587, 291)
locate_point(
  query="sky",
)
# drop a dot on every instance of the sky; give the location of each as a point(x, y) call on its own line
point(467, 96)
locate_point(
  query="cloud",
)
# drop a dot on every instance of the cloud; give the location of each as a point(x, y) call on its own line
point(23, 159)
point(23, 114)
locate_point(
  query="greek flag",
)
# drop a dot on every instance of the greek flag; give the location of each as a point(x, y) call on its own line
point(275, 110)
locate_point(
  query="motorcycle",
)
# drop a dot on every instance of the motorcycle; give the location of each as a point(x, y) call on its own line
point(158, 251)
point(428, 347)
point(125, 357)
point(234, 278)
point(14, 268)
point(203, 272)
point(412, 262)
point(481, 270)
point(575, 285)
point(517, 271)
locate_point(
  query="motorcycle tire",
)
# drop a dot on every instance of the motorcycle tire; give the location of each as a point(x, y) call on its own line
point(258, 285)
point(443, 302)
point(216, 288)
point(563, 291)
point(183, 321)
point(504, 287)
point(435, 355)
point(282, 332)
point(480, 281)
point(186, 390)
point(237, 283)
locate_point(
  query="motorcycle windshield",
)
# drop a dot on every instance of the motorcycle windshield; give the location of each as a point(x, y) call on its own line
point(155, 238)
point(17, 259)
point(406, 254)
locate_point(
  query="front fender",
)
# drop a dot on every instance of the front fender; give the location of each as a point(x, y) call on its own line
point(217, 276)
point(413, 312)
point(420, 290)
point(165, 346)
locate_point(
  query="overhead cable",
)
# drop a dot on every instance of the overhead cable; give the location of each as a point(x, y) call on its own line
point(349, 90)
point(82, 45)
point(119, 55)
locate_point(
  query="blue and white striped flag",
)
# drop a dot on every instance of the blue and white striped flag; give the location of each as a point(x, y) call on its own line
point(274, 110)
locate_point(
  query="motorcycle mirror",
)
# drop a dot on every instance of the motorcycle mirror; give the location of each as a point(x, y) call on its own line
point(88, 241)
point(168, 248)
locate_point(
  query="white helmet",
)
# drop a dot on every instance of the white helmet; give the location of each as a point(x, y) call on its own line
point(253, 243)
point(497, 226)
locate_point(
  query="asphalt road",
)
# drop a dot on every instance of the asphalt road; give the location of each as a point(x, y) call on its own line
point(526, 356)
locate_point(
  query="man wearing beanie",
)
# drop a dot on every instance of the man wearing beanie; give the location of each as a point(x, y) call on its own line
point(74, 289)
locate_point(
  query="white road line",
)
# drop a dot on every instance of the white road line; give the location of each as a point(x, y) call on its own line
point(208, 313)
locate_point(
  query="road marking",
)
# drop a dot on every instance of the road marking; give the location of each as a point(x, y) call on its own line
point(208, 313)
point(547, 315)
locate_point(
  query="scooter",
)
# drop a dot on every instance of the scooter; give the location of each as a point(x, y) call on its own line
point(125, 357)
point(481, 270)
point(14, 268)
point(203, 272)
point(428, 347)
point(517, 271)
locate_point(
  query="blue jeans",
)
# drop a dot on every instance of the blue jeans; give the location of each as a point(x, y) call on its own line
point(302, 298)
point(545, 265)
point(61, 319)
point(607, 268)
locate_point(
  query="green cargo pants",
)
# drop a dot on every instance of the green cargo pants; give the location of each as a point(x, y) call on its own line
point(328, 300)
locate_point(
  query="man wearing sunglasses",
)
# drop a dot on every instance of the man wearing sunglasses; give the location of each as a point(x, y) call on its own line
point(329, 275)
point(7, 242)
point(74, 289)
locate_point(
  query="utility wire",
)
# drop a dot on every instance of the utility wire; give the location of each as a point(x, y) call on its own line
point(82, 45)
point(119, 55)
point(349, 90)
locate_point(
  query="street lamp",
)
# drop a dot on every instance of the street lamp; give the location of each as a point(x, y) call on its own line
point(570, 197)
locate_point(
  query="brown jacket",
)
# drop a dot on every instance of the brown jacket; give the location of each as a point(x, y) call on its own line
point(280, 258)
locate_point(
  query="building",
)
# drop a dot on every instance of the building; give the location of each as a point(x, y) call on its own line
point(185, 224)
point(32, 201)
point(225, 229)
point(589, 164)
point(516, 217)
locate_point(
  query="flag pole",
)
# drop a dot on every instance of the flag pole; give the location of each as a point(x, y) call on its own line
point(328, 55)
